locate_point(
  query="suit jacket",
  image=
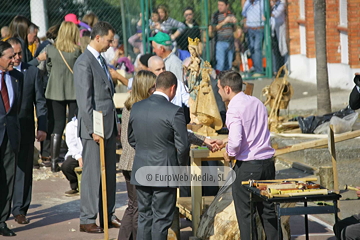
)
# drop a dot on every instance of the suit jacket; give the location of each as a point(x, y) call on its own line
point(93, 92)
point(33, 94)
point(157, 131)
point(9, 121)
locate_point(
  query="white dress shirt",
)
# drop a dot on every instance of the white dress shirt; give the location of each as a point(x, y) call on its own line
point(72, 140)
point(161, 94)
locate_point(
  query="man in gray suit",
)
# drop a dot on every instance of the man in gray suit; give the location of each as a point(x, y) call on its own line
point(33, 94)
point(94, 91)
point(157, 130)
point(10, 100)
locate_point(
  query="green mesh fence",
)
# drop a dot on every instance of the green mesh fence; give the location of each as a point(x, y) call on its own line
point(203, 12)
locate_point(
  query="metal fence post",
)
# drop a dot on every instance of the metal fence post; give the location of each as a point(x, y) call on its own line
point(123, 27)
point(268, 53)
point(206, 18)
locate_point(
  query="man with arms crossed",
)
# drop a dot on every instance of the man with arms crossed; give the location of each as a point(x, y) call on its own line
point(157, 131)
point(94, 91)
point(249, 144)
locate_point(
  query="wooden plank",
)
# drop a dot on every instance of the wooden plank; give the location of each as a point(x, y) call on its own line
point(205, 153)
point(317, 143)
point(196, 193)
point(185, 206)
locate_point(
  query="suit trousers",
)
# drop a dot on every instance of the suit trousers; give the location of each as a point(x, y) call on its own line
point(129, 222)
point(348, 228)
point(67, 168)
point(23, 178)
point(90, 194)
point(7, 178)
point(257, 170)
point(156, 212)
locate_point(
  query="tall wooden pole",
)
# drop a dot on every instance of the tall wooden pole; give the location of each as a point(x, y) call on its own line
point(103, 186)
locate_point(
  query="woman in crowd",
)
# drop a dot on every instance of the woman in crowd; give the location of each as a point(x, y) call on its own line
point(168, 24)
point(143, 86)
point(20, 28)
point(60, 89)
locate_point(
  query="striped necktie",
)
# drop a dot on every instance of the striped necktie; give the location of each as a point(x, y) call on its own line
point(4, 93)
point(103, 65)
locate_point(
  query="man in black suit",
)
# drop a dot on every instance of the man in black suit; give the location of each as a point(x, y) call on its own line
point(33, 94)
point(95, 91)
point(157, 130)
point(10, 100)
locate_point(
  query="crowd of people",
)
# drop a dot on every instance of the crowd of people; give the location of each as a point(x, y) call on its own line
point(73, 71)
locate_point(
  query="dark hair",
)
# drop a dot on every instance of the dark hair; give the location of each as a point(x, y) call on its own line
point(224, 1)
point(52, 32)
point(19, 27)
point(3, 47)
point(145, 58)
point(155, 11)
point(101, 29)
point(165, 80)
point(232, 79)
point(188, 8)
point(14, 40)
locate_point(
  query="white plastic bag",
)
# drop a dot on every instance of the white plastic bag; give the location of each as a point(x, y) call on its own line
point(340, 125)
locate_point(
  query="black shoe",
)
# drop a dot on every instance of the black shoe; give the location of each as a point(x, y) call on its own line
point(5, 231)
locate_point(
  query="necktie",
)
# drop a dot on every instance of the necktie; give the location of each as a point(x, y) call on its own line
point(4, 93)
point(103, 65)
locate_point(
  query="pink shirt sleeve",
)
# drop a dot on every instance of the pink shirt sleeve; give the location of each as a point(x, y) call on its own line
point(235, 127)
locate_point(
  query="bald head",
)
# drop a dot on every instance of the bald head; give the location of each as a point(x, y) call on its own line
point(156, 65)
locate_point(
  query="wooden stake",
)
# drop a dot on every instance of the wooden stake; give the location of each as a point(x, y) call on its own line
point(103, 186)
point(332, 150)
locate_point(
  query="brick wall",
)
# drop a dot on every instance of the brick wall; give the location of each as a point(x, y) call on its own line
point(293, 14)
point(354, 33)
point(332, 30)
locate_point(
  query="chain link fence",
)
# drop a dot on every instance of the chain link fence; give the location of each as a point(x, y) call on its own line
point(249, 50)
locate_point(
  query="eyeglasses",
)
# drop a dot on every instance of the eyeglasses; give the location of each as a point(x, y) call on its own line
point(189, 14)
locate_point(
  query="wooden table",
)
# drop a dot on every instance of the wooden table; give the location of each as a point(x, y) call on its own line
point(183, 203)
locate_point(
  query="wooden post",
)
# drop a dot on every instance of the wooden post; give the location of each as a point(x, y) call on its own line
point(331, 147)
point(196, 193)
point(103, 186)
point(326, 177)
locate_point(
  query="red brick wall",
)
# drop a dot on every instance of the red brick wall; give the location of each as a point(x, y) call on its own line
point(354, 33)
point(332, 33)
point(309, 24)
point(332, 30)
point(293, 13)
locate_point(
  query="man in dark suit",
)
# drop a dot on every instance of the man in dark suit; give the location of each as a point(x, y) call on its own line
point(157, 130)
point(94, 91)
point(33, 94)
point(10, 100)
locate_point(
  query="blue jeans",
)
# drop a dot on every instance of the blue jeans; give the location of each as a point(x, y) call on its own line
point(224, 52)
point(255, 45)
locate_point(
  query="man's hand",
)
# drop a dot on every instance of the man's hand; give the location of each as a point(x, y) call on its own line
point(211, 144)
point(358, 192)
point(41, 56)
point(40, 135)
point(96, 138)
point(228, 158)
point(80, 162)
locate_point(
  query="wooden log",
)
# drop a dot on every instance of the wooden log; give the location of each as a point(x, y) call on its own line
point(331, 146)
point(326, 177)
point(317, 143)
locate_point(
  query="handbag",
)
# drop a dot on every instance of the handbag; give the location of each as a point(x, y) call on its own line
point(62, 56)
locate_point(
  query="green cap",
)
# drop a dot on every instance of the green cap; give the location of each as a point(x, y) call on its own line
point(162, 39)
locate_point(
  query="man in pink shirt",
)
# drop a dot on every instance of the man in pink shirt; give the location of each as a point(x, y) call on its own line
point(249, 143)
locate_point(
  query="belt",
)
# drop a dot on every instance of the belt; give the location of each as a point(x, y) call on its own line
point(256, 161)
point(256, 28)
